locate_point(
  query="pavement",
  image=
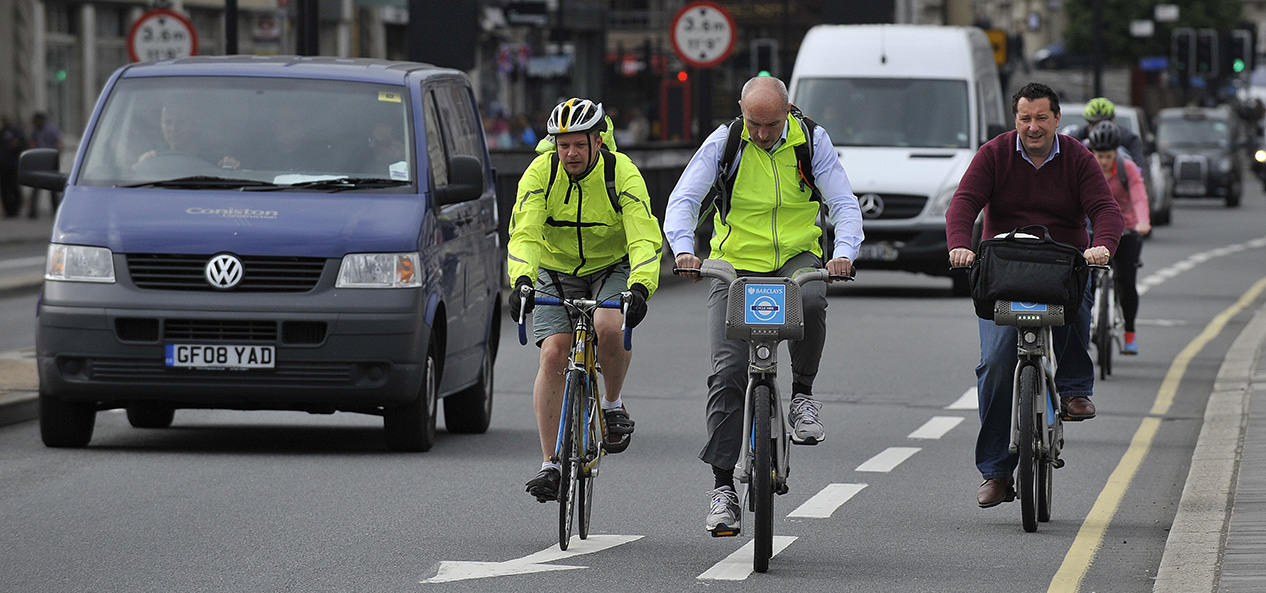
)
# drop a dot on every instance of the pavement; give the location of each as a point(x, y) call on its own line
point(1218, 537)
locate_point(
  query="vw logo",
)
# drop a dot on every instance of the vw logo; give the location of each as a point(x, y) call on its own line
point(872, 205)
point(224, 271)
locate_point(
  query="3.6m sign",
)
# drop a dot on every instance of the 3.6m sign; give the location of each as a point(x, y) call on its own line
point(161, 34)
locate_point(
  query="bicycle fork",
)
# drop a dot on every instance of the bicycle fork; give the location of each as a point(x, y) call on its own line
point(762, 371)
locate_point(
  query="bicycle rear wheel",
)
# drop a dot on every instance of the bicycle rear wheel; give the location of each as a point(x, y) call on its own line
point(593, 455)
point(761, 486)
point(1030, 459)
point(568, 455)
point(1103, 326)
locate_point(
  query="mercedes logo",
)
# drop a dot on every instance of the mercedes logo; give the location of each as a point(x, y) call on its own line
point(872, 205)
point(224, 271)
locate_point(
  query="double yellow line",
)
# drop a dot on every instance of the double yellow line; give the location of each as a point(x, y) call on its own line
point(1090, 537)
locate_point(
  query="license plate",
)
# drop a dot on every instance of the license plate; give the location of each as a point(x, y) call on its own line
point(877, 251)
point(1189, 189)
point(235, 358)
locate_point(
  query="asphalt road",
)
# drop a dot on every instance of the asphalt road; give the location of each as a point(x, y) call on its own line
point(261, 501)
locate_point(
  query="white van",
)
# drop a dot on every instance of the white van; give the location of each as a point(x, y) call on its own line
point(906, 106)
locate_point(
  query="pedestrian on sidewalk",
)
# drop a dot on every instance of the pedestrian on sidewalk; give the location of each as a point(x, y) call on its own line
point(12, 143)
point(44, 135)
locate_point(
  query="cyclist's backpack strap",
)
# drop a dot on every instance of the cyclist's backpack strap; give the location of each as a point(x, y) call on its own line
point(1122, 154)
point(718, 197)
point(608, 170)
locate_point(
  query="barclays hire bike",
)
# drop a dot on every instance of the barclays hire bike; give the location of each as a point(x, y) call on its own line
point(763, 311)
point(1106, 320)
point(582, 427)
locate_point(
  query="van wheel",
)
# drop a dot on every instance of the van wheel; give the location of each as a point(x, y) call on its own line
point(411, 427)
point(470, 411)
point(1160, 217)
point(150, 415)
point(1233, 195)
point(65, 424)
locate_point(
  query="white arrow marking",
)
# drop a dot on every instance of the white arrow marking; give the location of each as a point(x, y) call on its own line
point(450, 571)
point(824, 503)
point(738, 566)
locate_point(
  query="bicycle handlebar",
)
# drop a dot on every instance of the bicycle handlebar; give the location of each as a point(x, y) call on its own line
point(801, 276)
point(579, 303)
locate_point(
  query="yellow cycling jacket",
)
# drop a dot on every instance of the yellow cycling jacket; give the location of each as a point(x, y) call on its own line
point(576, 230)
point(772, 215)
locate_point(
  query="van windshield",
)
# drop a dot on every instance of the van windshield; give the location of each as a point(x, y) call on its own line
point(1173, 133)
point(916, 113)
point(258, 131)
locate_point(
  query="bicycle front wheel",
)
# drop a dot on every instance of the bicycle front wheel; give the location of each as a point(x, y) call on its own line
point(1030, 459)
point(761, 487)
point(568, 455)
point(592, 456)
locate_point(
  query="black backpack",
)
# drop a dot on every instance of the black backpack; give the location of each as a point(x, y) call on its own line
point(608, 167)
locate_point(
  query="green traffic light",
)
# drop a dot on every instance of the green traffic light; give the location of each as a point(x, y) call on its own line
point(61, 76)
point(1238, 65)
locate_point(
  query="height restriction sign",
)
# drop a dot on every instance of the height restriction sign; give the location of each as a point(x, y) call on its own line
point(161, 34)
point(703, 34)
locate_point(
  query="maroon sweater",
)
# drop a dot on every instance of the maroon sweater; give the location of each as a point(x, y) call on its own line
point(1059, 196)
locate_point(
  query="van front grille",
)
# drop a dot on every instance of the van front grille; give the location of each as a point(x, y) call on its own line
point(160, 271)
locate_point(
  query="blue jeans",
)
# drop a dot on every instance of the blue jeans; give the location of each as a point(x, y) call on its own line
point(995, 380)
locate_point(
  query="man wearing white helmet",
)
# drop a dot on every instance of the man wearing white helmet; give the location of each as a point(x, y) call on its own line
point(574, 235)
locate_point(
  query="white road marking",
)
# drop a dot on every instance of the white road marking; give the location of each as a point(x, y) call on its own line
point(22, 262)
point(824, 503)
point(738, 566)
point(450, 571)
point(889, 459)
point(936, 427)
point(968, 401)
point(1173, 270)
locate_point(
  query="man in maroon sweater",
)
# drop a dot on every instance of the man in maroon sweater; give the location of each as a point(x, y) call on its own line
point(1031, 176)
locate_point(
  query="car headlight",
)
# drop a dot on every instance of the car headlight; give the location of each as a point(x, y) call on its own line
point(79, 263)
point(1224, 165)
point(941, 204)
point(379, 270)
point(1260, 155)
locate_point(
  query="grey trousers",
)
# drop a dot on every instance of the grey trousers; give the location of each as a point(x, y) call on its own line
point(728, 382)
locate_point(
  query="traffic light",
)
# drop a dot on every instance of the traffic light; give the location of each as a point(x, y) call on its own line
point(1181, 50)
point(1240, 51)
point(1207, 53)
point(764, 57)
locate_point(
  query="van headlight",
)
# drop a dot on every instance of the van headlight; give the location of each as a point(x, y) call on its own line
point(379, 270)
point(79, 263)
point(1225, 165)
point(941, 204)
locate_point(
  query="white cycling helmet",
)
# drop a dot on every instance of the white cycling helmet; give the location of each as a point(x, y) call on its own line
point(576, 115)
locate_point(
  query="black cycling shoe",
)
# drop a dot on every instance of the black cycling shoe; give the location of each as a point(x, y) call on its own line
point(619, 430)
point(545, 485)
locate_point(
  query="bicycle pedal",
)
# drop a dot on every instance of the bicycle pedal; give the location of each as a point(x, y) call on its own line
point(723, 531)
point(1057, 463)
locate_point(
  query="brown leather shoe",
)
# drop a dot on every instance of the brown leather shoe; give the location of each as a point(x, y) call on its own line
point(1077, 408)
point(995, 491)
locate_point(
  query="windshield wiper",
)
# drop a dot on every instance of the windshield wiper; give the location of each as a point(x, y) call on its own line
point(341, 184)
point(203, 182)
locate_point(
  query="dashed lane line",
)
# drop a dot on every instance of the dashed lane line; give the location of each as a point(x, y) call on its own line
point(967, 401)
point(823, 504)
point(936, 427)
point(738, 566)
point(888, 460)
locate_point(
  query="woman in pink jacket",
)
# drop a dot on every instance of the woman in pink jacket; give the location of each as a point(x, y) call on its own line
point(1125, 179)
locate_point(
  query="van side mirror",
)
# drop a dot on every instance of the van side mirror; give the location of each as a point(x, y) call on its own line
point(465, 181)
point(993, 130)
point(38, 168)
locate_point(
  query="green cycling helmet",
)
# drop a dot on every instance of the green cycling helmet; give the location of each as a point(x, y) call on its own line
point(1099, 109)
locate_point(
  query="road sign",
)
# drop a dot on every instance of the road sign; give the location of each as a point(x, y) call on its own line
point(161, 34)
point(703, 34)
point(998, 41)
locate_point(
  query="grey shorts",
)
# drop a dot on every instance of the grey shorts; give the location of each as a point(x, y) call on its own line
point(548, 320)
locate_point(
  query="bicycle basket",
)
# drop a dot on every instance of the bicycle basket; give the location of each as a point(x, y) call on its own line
point(765, 308)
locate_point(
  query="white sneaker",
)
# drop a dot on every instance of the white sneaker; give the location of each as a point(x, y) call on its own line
point(723, 512)
point(805, 428)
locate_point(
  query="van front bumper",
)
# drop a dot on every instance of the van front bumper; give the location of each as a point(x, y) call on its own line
point(323, 361)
